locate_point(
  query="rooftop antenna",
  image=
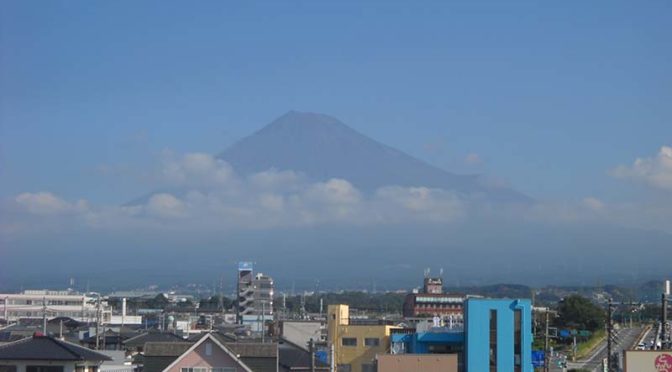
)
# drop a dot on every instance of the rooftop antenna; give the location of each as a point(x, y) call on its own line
point(220, 301)
point(427, 272)
point(303, 306)
point(441, 273)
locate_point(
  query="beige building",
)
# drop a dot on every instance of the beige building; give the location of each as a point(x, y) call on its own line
point(355, 345)
point(647, 360)
point(417, 363)
point(33, 304)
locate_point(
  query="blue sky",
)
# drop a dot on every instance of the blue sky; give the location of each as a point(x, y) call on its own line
point(557, 99)
point(550, 96)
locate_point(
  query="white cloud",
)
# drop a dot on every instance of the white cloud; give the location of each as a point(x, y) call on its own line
point(272, 202)
point(165, 206)
point(473, 159)
point(197, 169)
point(275, 180)
point(48, 204)
point(593, 203)
point(655, 171)
point(209, 196)
point(420, 202)
point(334, 191)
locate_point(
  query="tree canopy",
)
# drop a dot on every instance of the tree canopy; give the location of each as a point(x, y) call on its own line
point(578, 312)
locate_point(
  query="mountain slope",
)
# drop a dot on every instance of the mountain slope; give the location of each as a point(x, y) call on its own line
point(322, 147)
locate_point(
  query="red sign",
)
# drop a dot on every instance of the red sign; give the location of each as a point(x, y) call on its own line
point(664, 363)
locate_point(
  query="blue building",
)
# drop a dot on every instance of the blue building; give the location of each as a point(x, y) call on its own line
point(497, 337)
point(436, 341)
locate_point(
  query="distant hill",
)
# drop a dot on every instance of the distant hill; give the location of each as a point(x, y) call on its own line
point(322, 147)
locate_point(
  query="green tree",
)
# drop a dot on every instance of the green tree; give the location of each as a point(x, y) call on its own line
point(158, 302)
point(212, 303)
point(578, 312)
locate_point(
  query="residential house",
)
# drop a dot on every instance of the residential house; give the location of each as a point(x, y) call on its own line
point(208, 355)
point(47, 354)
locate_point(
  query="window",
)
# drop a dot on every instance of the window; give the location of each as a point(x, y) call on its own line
point(349, 341)
point(493, 340)
point(517, 340)
point(344, 368)
point(371, 342)
point(44, 368)
point(223, 369)
point(368, 367)
point(208, 349)
point(7, 368)
point(195, 369)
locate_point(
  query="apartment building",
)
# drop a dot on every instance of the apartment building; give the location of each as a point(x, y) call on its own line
point(34, 304)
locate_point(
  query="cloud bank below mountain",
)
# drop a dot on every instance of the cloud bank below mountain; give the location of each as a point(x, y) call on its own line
point(214, 197)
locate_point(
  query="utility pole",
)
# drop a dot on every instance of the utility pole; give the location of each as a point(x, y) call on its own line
point(123, 318)
point(663, 315)
point(547, 359)
point(263, 325)
point(98, 323)
point(303, 306)
point(610, 329)
point(311, 348)
point(220, 300)
point(44, 316)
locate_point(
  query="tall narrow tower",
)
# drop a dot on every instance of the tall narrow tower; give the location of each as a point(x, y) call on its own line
point(245, 290)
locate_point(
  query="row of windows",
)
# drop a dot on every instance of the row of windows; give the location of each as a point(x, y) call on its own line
point(40, 302)
point(205, 369)
point(425, 299)
point(352, 341)
point(28, 314)
point(442, 306)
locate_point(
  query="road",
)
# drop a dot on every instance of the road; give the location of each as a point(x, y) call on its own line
point(626, 338)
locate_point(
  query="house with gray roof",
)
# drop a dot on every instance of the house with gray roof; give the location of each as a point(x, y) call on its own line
point(47, 354)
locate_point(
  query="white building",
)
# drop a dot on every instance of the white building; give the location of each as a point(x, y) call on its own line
point(34, 304)
point(262, 295)
point(255, 293)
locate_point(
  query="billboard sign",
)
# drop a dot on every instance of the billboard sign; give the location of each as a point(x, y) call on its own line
point(648, 361)
point(244, 266)
point(538, 358)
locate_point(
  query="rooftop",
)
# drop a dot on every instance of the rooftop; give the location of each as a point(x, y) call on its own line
point(48, 348)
